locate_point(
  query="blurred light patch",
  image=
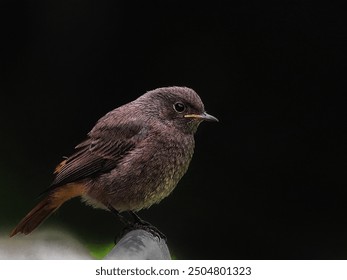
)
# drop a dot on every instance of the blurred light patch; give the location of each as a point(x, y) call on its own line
point(43, 245)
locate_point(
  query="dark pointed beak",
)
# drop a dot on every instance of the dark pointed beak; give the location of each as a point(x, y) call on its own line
point(204, 117)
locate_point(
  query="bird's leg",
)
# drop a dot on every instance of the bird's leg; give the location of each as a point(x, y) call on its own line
point(126, 222)
point(119, 216)
point(138, 223)
point(136, 218)
point(142, 224)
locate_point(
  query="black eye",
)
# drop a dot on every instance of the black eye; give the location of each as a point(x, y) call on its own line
point(179, 107)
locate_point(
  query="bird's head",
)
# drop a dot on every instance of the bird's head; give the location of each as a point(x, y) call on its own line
point(176, 106)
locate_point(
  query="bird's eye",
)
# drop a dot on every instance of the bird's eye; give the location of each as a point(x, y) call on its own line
point(179, 107)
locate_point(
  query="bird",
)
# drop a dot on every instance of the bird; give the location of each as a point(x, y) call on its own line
point(132, 158)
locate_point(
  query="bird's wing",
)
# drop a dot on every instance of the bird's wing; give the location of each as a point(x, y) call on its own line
point(100, 153)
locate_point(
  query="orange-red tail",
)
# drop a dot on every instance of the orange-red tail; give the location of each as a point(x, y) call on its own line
point(35, 217)
point(46, 207)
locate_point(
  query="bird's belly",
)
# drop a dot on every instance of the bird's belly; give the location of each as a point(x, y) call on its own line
point(144, 195)
point(148, 190)
point(142, 182)
point(158, 193)
point(135, 196)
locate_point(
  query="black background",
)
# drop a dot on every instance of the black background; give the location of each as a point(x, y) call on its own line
point(266, 182)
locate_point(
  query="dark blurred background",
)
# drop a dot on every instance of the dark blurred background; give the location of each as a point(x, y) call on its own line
point(267, 182)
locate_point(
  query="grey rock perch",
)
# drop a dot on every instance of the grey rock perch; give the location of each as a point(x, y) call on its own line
point(139, 245)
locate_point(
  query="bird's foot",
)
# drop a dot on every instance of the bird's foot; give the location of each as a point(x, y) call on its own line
point(149, 228)
point(137, 223)
point(141, 224)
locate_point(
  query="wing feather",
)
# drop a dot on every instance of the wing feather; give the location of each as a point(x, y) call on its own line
point(100, 153)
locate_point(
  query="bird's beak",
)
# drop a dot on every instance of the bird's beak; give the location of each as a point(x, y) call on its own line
point(204, 117)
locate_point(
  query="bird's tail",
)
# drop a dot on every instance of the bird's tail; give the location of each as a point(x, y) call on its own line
point(47, 206)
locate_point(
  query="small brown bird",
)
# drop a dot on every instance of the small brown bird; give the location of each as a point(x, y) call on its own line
point(132, 158)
